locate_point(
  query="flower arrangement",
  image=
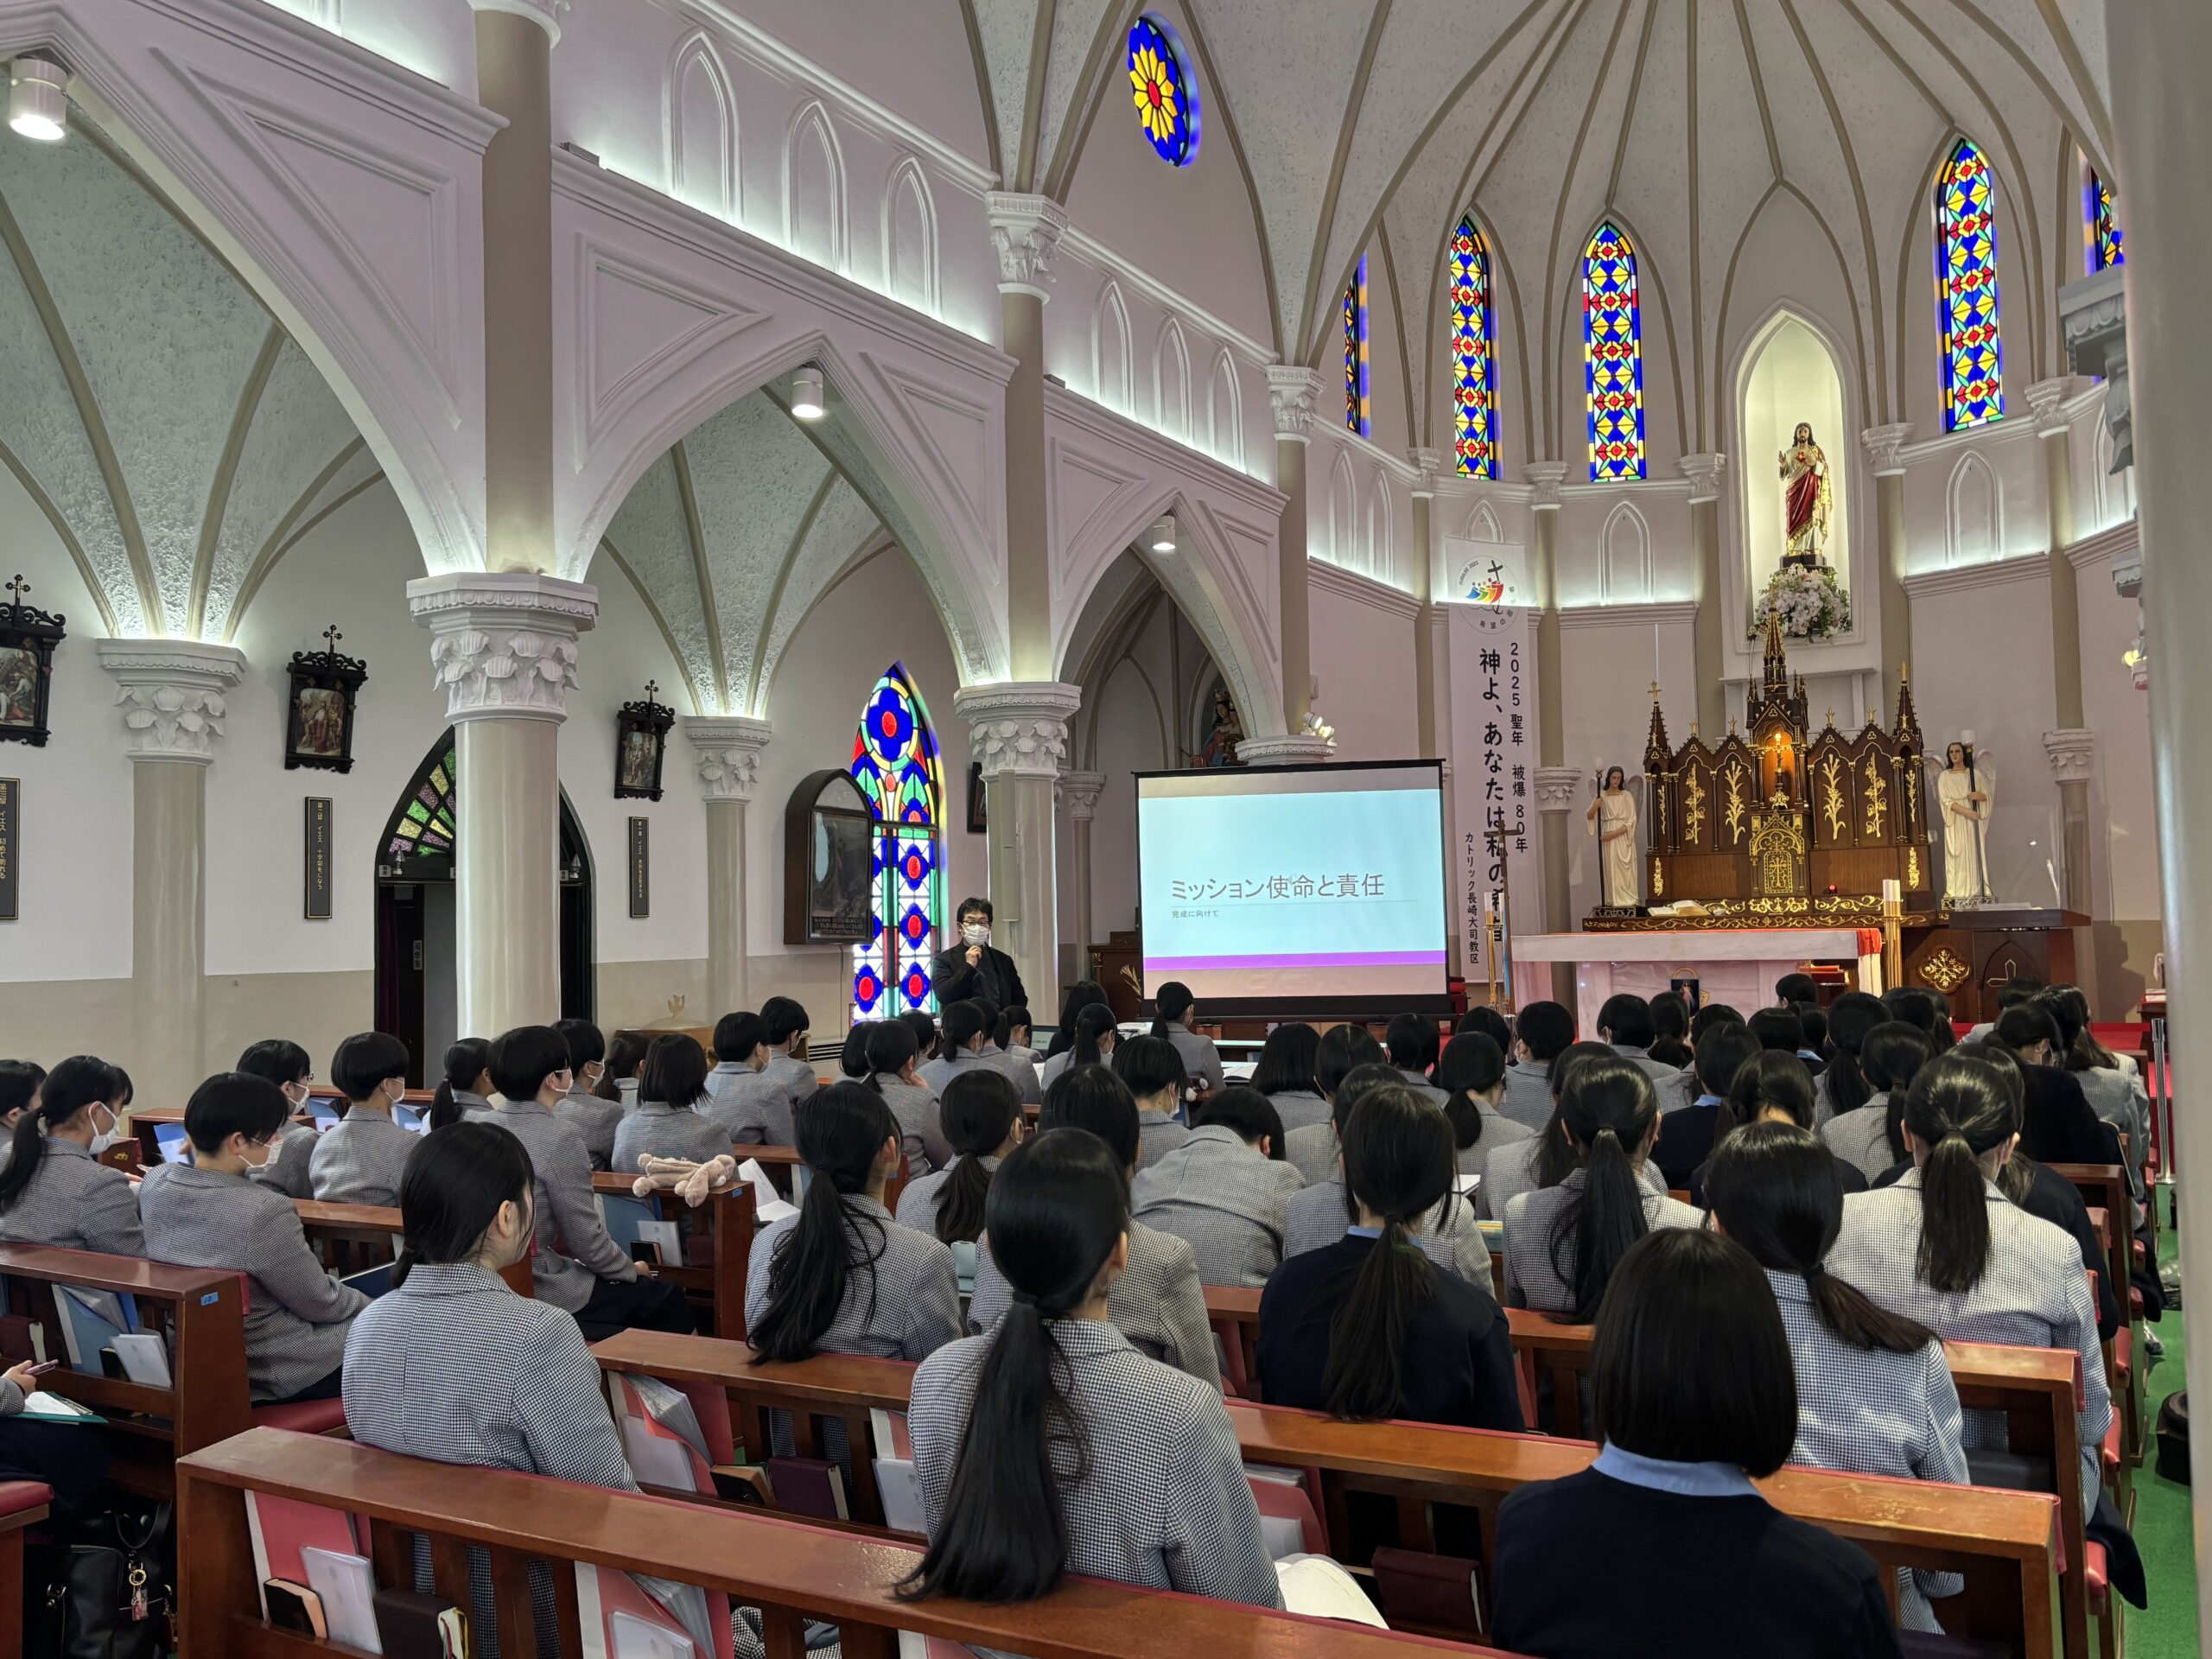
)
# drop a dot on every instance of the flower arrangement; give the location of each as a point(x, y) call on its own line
point(1810, 604)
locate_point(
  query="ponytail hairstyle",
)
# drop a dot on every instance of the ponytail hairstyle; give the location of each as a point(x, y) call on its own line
point(2027, 1023)
point(1774, 1190)
point(1170, 1003)
point(1771, 1081)
point(924, 1029)
point(450, 1192)
point(2018, 1173)
point(624, 1056)
point(1342, 1051)
point(979, 1111)
point(1892, 1057)
point(1010, 1021)
point(963, 1023)
point(841, 1136)
point(891, 1048)
point(1398, 1164)
point(1285, 1063)
point(76, 1084)
point(1083, 993)
point(2083, 1051)
point(1091, 1025)
point(1472, 1064)
point(1960, 1108)
point(2072, 1024)
point(1151, 1066)
point(1943, 1036)
point(1853, 1015)
point(1610, 1108)
point(1555, 1158)
point(1059, 1205)
point(852, 1060)
point(466, 1062)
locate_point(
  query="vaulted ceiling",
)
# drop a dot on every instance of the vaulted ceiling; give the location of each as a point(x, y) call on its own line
point(1683, 117)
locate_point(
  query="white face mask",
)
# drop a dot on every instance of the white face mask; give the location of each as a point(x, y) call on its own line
point(103, 1139)
point(975, 933)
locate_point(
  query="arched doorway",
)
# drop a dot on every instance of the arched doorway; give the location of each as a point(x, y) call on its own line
point(418, 990)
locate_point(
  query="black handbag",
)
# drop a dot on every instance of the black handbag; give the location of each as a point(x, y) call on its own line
point(106, 1594)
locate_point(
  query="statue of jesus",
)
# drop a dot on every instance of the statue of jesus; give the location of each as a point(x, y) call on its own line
point(1805, 499)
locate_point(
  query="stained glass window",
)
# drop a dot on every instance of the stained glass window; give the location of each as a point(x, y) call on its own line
point(1965, 280)
point(2104, 244)
point(1166, 96)
point(1474, 421)
point(1612, 356)
point(895, 763)
point(1358, 410)
point(419, 841)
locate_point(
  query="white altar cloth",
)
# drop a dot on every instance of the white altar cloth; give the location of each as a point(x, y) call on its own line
point(1737, 966)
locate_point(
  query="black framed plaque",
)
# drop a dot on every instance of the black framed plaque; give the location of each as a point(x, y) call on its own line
point(12, 814)
point(317, 853)
point(641, 872)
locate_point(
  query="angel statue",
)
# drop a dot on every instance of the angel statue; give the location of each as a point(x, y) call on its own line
point(1962, 790)
point(1806, 498)
point(1611, 818)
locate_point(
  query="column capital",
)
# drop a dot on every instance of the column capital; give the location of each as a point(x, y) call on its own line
point(1081, 791)
point(171, 692)
point(544, 13)
point(1883, 443)
point(1545, 478)
point(2073, 755)
point(503, 643)
point(1703, 474)
point(2092, 321)
point(1429, 464)
point(728, 753)
point(1298, 749)
point(1018, 725)
point(2044, 400)
point(1295, 393)
point(1558, 787)
point(1025, 231)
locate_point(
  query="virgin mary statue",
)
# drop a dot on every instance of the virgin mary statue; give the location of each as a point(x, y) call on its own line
point(1805, 499)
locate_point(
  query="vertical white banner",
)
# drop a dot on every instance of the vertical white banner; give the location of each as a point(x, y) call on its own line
point(1493, 668)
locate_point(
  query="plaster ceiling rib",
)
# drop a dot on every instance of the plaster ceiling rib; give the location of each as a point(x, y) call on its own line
point(1781, 187)
point(2064, 39)
point(1628, 115)
point(36, 491)
point(652, 606)
point(754, 699)
point(702, 574)
point(88, 415)
point(1859, 200)
point(1696, 195)
point(2077, 70)
point(284, 537)
point(1196, 40)
point(226, 471)
point(1415, 428)
point(1097, 67)
point(1758, 88)
point(1347, 123)
point(1566, 181)
point(983, 86)
point(1033, 96)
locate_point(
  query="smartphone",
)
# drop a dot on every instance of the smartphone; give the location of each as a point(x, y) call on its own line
point(42, 1369)
point(645, 1252)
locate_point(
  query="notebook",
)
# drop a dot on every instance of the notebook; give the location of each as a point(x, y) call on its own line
point(347, 1585)
point(91, 1321)
point(145, 1359)
point(371, 1281)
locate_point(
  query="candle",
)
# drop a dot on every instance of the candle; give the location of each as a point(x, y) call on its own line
point(1892, 891)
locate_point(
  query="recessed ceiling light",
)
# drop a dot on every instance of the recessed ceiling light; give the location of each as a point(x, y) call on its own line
point(38, 102)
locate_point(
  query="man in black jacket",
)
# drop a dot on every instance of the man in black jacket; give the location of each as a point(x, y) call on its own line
point(973, 969)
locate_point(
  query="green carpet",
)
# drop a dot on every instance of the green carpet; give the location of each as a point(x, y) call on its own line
point(2167, 1628)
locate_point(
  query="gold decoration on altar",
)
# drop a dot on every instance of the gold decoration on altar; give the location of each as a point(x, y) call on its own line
point(1878, 800)
point(1834, 808)
point(1735, 817)
point(1658, 878)
point(1692, 808)
point(1911, 868)
point(1944, 971)
point(1778, 853)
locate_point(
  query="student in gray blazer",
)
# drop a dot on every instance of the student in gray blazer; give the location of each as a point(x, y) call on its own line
point(1175, 1019)
point(1342, 1051)
point(55, 1191)
point(751, 1107)
point(286, 1065)
point(892, 1073)
point(1472, 1074)
point(593, 1117)
point(964, 1030)
point(1411, 1040)
point(1541, 1032)
point(577, 1267)
point(671, 1084)
point(787, 1042)
point(1285, 1075)
point(1153, 1067)
point(207, 1214)
point(1221, 1192)
point(358, 1159)
point(1625, 1022)
point(982, 1115)
point(1091, 1043)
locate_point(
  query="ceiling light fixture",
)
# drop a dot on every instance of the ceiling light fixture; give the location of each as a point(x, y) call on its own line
point(808, 402)
point(1163, 533)
point(38, 101)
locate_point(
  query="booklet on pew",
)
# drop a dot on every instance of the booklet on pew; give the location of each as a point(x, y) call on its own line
point(347, 1585)
point(91, 1321)
point(631, 1616)
point(53, 1408)
point(1319, 1586)
point(145, 1359)
point(766, 1206)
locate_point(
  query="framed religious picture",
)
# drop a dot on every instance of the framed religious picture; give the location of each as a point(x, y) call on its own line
point(640, 736)
point(319, 720)
point(830, 871)
point(979, 819)
point(28, 637)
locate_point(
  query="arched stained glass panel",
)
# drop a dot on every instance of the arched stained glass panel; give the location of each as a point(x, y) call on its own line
point(897, 767)
point(2101, 227)
point(1966, 281)
point(420, 837)
point(1358, 410)
point(1474, 420)
point(1612, 356)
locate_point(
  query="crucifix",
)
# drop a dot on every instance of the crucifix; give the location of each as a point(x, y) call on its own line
point(330, 639)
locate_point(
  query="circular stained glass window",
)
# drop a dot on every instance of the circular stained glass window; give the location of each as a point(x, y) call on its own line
point(1166, 94)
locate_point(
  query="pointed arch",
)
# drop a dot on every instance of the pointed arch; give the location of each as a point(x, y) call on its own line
point(2115, 490)
point(1482, 524)
point(1171, 383)
point(1112, 373)
point(1474, 354)
point(1381, 544)
point(897, 767)
point(1226, 411)
point(1966, 287)
point(1974, 513)
point(814, 189)
point(910, 237)
point(2103, 245)
point(1625, 558)
point(699, 114)
point(1612, 356)
point(1359, 406)
point(1344, 514)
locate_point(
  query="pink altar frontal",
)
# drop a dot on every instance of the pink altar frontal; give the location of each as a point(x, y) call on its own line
point(1737, 966)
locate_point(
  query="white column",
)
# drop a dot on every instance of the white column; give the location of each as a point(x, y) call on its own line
point(1894, 607)
point(1292, 392)
point(1429, 465)
point(729, 751)
point(2156, 51)
point(503, 644)
point(1704, 474)
point(1545, 479)
point(1081, 791)
point(172, 693)
point(1025, 234)
point(1019, 731)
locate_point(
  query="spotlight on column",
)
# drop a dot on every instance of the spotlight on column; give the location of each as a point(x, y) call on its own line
point(1163, 533)
point(807, 401)
point(38, 103)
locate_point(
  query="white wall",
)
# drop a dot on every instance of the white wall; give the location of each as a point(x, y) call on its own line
point(1363, 657)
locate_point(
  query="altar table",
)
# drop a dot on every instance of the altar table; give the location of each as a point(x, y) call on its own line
point(1737, 966)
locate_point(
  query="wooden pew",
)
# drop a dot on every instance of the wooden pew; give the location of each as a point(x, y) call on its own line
point(2003, 1542)
point(23, 1504)
point(724, 1225)
point(791, 1571)
point(349, 1237)
point(1233, 1311)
